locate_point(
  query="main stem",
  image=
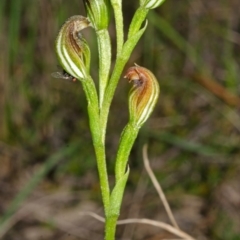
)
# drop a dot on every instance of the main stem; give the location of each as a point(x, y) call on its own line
point(110, 227)
point(102, 170)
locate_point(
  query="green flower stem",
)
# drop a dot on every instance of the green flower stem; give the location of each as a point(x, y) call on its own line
point(115, 205)
point(117, 71)
point(99, 145)
point(110, 227)
point(117, 8)
point(104, 49)
point(138, 18)
point(127, 140)
point(110, 92)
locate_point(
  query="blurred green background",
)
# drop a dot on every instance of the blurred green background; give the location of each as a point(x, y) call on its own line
point(48, 172)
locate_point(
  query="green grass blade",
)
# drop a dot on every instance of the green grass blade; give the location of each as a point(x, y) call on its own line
point(185, 144)
point(14, 28)
point(162, 25)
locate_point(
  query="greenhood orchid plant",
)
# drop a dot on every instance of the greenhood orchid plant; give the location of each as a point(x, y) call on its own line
point(73, 55)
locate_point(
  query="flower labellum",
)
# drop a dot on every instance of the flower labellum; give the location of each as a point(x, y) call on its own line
point(72, 49)
point(143, 95)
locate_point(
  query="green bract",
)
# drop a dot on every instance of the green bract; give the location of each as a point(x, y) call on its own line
point(150, 4)
point(72, 49)
point(144, 94)
point(98, 13)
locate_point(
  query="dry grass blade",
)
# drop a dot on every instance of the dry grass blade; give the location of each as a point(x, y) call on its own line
point(158, 187)
point(162, 225)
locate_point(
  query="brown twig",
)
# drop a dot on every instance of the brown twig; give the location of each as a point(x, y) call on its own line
point(217, 89)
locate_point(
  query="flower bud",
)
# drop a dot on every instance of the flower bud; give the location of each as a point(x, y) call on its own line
point(72, 49)
point(143, 95)
point(98, 13)
point(150, 4)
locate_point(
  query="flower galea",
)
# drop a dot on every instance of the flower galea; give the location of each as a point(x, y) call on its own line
point(72, 49)
point(143, 95)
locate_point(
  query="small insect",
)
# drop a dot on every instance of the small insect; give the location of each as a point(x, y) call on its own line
point(63, 75)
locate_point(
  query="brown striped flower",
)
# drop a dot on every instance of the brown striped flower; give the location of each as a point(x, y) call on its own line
point(143, 95)
point(72, 49)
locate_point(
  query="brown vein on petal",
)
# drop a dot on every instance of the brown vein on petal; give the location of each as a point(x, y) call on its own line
point(144, 89)
point(73, 43)
point(72, 27)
